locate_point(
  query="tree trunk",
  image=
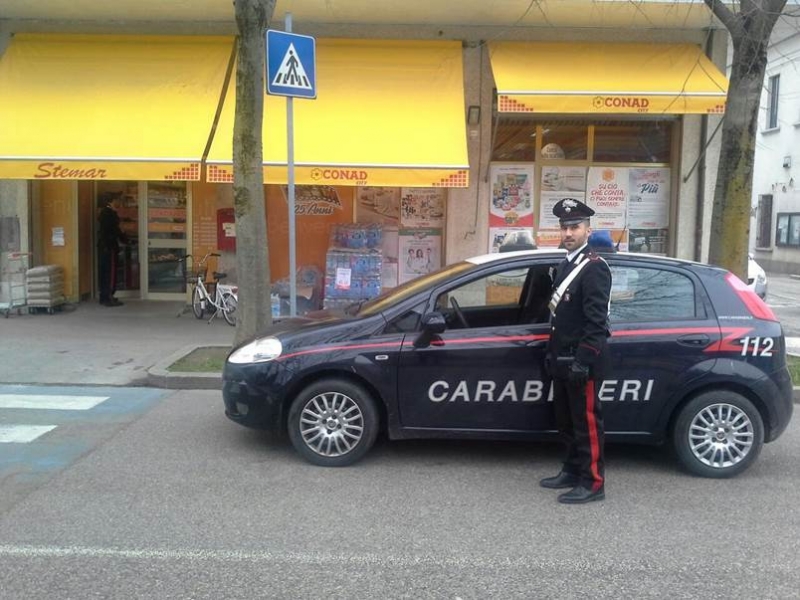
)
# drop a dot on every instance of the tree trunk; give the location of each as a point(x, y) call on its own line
point(750, 31)
point(252, 254)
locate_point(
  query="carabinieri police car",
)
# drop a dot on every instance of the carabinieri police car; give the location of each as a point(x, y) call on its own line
point(696, 359)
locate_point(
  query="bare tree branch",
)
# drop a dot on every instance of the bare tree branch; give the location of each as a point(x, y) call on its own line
point(728, 18)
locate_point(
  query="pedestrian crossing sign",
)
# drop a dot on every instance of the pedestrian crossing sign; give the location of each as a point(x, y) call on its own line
point(291, 65)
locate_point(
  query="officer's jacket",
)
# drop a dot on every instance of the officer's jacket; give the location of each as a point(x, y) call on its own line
point(579, 327)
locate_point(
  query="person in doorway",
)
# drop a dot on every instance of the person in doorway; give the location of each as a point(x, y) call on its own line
point(109, 237)
point(576, 354)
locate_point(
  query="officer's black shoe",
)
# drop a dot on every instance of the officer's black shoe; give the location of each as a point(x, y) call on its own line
point(560, 481)
point(581, 495)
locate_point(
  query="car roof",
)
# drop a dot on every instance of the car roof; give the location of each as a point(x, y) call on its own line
point(485, 259)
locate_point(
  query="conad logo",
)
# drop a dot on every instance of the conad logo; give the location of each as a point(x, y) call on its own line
point(339, 175)
point(600, 102)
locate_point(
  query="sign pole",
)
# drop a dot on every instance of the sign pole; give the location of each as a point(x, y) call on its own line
point(292, 220)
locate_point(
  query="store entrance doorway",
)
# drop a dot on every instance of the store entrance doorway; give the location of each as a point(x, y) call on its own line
point(153, 217)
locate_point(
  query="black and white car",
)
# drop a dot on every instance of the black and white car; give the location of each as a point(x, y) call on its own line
point(696, 359)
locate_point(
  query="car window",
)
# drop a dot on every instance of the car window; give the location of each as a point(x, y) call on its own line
point(407, 321)
point(497, 289)
point(650, 294)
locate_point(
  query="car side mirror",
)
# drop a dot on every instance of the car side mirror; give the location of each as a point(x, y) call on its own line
point(432, 324)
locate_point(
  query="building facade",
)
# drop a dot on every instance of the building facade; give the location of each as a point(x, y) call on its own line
point(775, 226)
point(449, 129)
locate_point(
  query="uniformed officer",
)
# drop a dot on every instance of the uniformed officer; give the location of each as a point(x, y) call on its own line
point(576, 354)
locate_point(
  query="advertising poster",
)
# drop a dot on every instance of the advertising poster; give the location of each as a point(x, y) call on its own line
point(607, 194)
point(422, 207)
point(648, 205)
point(314, 200)
point(390, 265)
point(512, 196)
point(420, 252)
point(650, 241)
point(559, 183)
point(501, 235)
point(378, 205)
point(548, 238)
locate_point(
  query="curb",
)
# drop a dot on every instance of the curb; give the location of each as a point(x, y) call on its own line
point(158, 375)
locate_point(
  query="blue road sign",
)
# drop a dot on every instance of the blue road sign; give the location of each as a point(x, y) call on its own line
point(291, 65)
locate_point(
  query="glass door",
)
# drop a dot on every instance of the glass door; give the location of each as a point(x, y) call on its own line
point(127, 277)
point(165, 223)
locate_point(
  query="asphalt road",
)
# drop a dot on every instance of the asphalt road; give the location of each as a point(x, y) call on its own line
point(177, 502)
point(783, 296)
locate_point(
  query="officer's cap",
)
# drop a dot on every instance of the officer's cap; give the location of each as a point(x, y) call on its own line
point(571, 211)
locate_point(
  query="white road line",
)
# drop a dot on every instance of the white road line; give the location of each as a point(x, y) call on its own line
point(194, 555)
point(50, 401)
point(22, 434)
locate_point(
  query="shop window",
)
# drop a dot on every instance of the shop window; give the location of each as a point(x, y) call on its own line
point(514, 141)
point(764, 224)
point(633, 142)
point(788, 229)
point(564, 141)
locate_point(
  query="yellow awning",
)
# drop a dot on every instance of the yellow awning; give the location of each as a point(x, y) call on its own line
point(109, 107)
point(599, 78)
point(387, 113)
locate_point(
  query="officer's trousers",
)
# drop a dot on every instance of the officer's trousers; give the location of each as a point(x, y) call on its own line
point(107, 274)
point(579, 419)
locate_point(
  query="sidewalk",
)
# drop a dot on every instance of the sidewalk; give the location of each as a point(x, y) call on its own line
point(89, 344)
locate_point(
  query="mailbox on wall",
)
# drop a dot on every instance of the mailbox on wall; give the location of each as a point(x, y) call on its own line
point(226, 230)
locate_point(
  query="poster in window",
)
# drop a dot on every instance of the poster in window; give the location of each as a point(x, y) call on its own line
point(516, 238)
point(422, 207)
point(378, 205)
point(548, 238)
point(650, 241)
point(559, 183)
point(390, 265)
point(420, 252)
point(314, 200)
point(607, 194)
point(648, 203)
point(512, 195)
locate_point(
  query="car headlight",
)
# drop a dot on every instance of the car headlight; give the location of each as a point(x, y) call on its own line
point(259, 351)
point(761, 278)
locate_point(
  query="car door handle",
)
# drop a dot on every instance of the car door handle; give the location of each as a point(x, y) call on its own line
point(695, 339)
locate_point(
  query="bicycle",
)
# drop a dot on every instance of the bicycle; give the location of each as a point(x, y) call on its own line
point(225, 300)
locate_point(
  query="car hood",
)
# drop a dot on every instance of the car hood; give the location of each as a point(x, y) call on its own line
point(319, 327)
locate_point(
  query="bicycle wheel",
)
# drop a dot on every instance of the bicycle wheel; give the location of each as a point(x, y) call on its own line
point(197, 303)
point(229, 305)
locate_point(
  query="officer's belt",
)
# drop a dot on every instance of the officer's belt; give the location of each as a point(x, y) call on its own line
point(582, 261)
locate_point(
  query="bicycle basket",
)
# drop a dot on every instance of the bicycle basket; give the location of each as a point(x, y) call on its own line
point(192, 275)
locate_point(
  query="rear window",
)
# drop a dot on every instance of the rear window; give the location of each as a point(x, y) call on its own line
point(651, 294)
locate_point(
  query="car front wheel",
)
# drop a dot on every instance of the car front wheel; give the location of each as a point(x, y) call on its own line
point(333, 423)
point(718, 434)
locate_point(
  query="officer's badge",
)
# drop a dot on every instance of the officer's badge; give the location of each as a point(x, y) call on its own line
point(569, 204)
point(567, 297)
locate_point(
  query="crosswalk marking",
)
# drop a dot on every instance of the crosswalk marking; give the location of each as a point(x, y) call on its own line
point(22, 434)
point(50, 402)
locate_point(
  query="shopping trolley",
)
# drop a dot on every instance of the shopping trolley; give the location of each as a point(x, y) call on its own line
point(12, 282)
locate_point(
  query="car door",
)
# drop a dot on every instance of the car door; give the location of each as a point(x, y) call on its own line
point(663, 331)
point(485, 374)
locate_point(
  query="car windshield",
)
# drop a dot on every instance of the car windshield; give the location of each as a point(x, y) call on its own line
point(408, 289)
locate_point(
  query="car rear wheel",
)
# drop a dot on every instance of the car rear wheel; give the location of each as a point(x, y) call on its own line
point(333, 423)
point(718, 434)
